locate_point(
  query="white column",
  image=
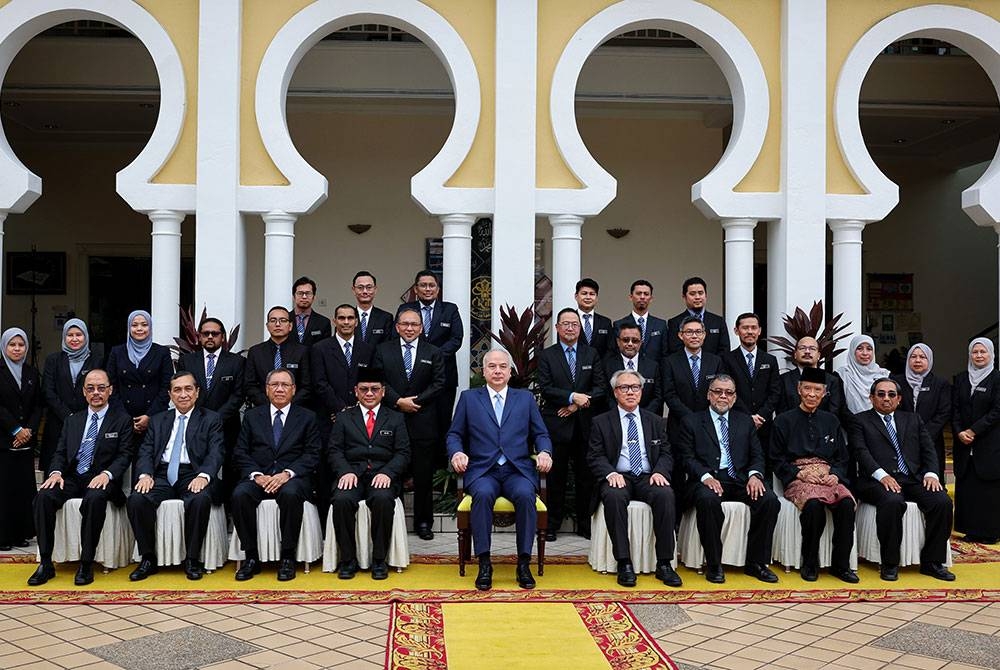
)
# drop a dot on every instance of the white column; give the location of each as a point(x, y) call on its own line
point(457, 280)
point(847, 275)
point(739, 267)
point(566, 242)
point(279, 254)
point(166, 298)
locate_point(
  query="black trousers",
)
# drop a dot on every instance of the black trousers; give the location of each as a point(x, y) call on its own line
point(583, 480)
point(659, 498)
point(382, 505)
point(197, 509)
point(247, 496)
point(93, 509)
point(813, 519)
point(708, 510)
point(889, 510)
point(425, 457)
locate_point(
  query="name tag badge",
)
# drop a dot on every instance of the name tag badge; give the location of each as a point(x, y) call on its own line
point(709, 377)
point(385, 433)
point(110, 436)
point(362, 365)
point(227, 378)
point(828, 438)
point(925, 388)
point(316, 332)
point(979, 389)
point(425, 361)
point(586, 367)
point(655, 333)
point(446, 324)
point(602, 331)
point(713, 331)
point(765, 366)
point(292, 366)
point(655, 443)
point(378, 331)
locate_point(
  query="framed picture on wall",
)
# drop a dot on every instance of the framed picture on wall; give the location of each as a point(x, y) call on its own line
point(36, 272)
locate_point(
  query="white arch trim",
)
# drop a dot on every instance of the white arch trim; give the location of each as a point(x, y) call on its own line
point(730, 49)
point(976, 33)
point(21, 20)
point(308, 188)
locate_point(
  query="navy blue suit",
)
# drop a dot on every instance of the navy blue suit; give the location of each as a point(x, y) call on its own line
point(520, 433)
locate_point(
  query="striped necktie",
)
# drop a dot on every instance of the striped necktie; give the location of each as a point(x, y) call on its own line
point(724, 429)
point(900, 461)
point(174, 466)
point(634, 450)
point(695, 372)
point(85, 457)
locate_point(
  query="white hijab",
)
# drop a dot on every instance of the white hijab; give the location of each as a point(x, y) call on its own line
point(976, 375)
point(858, 379)
point(916, 381)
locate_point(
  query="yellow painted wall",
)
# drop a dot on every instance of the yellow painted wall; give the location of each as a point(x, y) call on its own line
point(847, 21)
point(759, 20)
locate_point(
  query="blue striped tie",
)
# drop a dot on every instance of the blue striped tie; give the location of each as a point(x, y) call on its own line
point(408, 360)
point(498, 412)
point(174, 466)
point(277, 356)
point(588, 328)
point(571, 361)
point(634, 450)
point(276, 428)
point(347, 353)
point(724, 429)
point(695, 372)
point(641, 321)
point(364, 326)
point(900, 461)
point(209, 370)
point(750, 365)
point(86, 455)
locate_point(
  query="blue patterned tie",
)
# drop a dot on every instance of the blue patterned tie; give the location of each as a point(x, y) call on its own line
point(209, 370)
point(695, 372)
point(588, 328)
point(174, 466)
point(724, 429)
point(364, 326)
point(85, 458)
point(276, 428)
point(347, 353)
point(750, 365)
point(427, 321)
point(900, 461)
point(631, 365)
point(571, 361)
point(498, 412)
point(277, 356)
point(634, 450)
point(300, 326)
point(408, 360)
point(641, 321)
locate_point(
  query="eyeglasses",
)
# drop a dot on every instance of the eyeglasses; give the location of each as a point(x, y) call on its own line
point(410, 324)
point(364, 287)
point(630, 340)
point(278, 320)
point(569, 325)
point(689, 333)
point(629, 388)
point(365, 390)
point(729, 393)
point(806, 348)
point(427, 285)
point(303, 294)
point(886, 394)
point(101, 388)
point(280, 385)
point(211, 333)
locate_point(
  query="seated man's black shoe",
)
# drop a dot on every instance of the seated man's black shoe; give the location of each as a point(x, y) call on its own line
point(6, 547)
point(761, 572)
point(484, 580)
point(348, 569)
point(286, 570)
point(937, 571)
point(43, 573)
point(845, 575)
point(889, 573)
point(424, 532)
point(84, 574)
point(250, 567)
point(666, 574)
point(551, 535)
point(147, 567)
point(810, 573)
point(626, 574)
point(715, 574)
point(193, 569)
point(524, 577)
point(380, 570)
point(22, 543)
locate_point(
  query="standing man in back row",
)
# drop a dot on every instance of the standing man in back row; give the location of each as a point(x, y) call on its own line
point(653, 328)
point(597, 331)
point(374, 324)
point(309, 326)
point(695, 294)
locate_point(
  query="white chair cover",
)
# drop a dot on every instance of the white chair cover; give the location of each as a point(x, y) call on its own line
point(913, 535)
point(734, 536)
point(114, 549)
point(310, 545)
point(399, 546)
point(642, 543)
point(787, 548)
point(171, 549)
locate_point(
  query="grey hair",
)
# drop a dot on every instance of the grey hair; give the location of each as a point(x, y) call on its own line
point(267, 380)
point(510, 359)
point(618, 375)
point(723, 377)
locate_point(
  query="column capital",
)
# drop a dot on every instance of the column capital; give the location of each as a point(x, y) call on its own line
point(565, 220)
point(457, 225)
point(280, 223)
point(738, 230)
point(847, 231)
point(166, 221)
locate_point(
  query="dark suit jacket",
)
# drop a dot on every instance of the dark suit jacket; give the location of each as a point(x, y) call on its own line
point(226, 394)
point(297, 451)
point(606, 445)
point(426, 382)
point(446, 334)
point(333, 378)
point(655, 343)
point(716, 334)
point(649, 368)
point(520, 434)
point(380, 327)
point(144, 389)
point(113, 451)
point(873, 448)
point(260, 361)
point(603, 337)
point(834, 402)
point(760, 394)
point(980, 411)
point(62, 395)
point(318, 328)
point(678, 387)
point(20, 407)
point(386, 452)
point(556, 384)
point(202, 438)
point(698, 446)
point(933, 405)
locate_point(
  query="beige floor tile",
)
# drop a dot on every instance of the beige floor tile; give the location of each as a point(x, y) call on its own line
point(779, 645)
point(295, 664)
point(169, 624)
point(919, 662)
point(762, 629)
point(861, 663)
point(113, 626)
point(816, 629)
point(262, 617)
point(20, 633)
point(842, 646)
point(18, 659)
point(681, 638)
point(264, 659)
point(74, 634)
point(298, 649)
point(878, 653)
point(96, 641)
point(228, 626)
point(718, 645)
point(975, 627)
point(370, 617)
point(742, 638)
point(708, 631)
point(96, 617)
point(230, 665)
point(54, 649)
point(78, 659)
point(759, 654)
point(203, 618)
point(362, 649)
point(736, 663)
point(803, 639)
point(283, 625)
point(696, 655)
point(40, 665)
point(854, 636)
point(834, 617)
point(317, 617)
point(149, 618)
point(329, 658)
point(37, 641)
point(745, 616)
point(361, 664)
point(36, 618)
point(133, 633)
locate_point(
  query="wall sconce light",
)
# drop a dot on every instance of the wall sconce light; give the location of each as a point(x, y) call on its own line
point(618, 233)
point(359, 228)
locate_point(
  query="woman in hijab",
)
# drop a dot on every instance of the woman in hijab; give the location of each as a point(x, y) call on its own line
point(976, 424)
point(926, 394)
point(140, 372)
point(62, 384)
point(20, 414)
point(860, 373)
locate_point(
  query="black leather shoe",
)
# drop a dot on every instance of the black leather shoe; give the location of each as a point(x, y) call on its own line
point(424, 532)
point(6, 547)
point(845, 575)
point(484, 580)
point(551, 535)
point(810, 573)
point(147, 567)
point(626, 575)
point(286, 570)
point(193, 569)
point(250, 567)
point(23, 544)
point(348, 569)
point(84, 575)
point(937, 571)
point(761, 572)
point(43, 573)
point(715, 574)
point(524, 577)
point(666, 574)
point(380, 570)
point(889, 573)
